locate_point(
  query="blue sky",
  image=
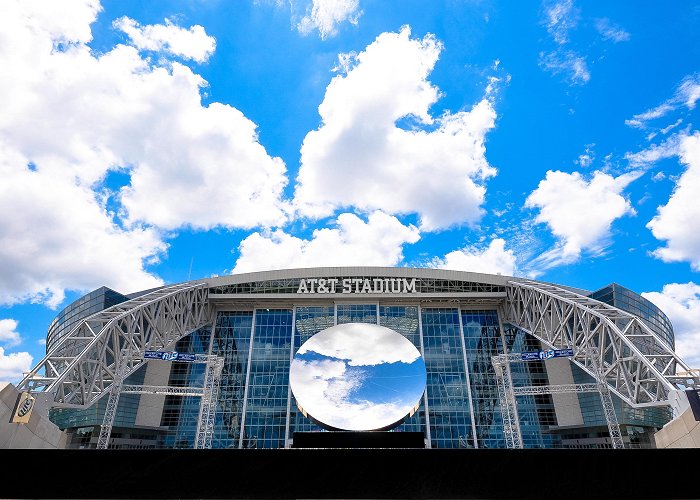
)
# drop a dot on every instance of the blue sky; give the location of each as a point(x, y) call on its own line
point(148, 142)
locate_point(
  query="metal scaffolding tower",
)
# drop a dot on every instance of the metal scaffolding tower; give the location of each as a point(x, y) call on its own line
point(207, 408)
point(509, 407)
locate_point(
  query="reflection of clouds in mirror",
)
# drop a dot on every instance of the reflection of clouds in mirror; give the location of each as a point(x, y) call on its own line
point(331, 390)
point(358, 377)
point(361, 345)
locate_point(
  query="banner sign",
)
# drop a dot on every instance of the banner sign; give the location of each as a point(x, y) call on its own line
point(548, 354)
point(23, 411)
point(170, 356)
point(357, 285)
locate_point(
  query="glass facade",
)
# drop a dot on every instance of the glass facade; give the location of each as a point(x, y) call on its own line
point(181, 413)
point(127, 407)
point(256, 408)
point(625, 299)
point(232, 342)
point(446, 388)
point(268, 380)
point(89, 304)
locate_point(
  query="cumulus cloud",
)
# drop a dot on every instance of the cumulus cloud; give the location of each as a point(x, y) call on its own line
point(494, 259)
point(192, 43)
point(677, 221)
point(14, 365)
point(55, 235)
point(686, 94)
point(70, 117)
point(359, 156)
point(681, 303)
point(326, 15)
point(353, 242)
point(579, 212)
point(362, 345)
point(8, 332)
point(610, 31)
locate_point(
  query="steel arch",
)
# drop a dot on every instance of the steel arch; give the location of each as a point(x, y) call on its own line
point(636, 364)
point(83, 364)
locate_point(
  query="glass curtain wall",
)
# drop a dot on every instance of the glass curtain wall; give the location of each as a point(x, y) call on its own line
point(180, 414)
point(271, 414)
point(308, 322)
point(232, 342)
point(482, 339)
point(404, 319)
point(268, 383)
point(448, 400)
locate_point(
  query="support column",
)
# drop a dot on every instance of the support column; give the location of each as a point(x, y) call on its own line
point(469, 385)
point(425, 394)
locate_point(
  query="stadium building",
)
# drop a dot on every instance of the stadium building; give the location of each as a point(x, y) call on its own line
point(510, 362)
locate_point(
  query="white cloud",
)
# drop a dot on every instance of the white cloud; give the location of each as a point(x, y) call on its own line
point(359, 156)
point(8, 332)
point(325, 390)
point(70, 116)
point(14, 365)
point(567, 63)
point(326, 15)
point(654, 153)
point(54, 235)
point(611, 31)
point(586, 159)
point(677, 221)
point(377, 242)
point(494, 259)
point(579, 212)
point(192, 43)
point(687, 94)
point(560, 18)
point(681, 303)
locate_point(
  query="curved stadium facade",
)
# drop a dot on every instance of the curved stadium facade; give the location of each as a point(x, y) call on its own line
point(235, 337)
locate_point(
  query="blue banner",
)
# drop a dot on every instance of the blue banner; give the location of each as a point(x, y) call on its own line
point(548, 354)
point(170, 356)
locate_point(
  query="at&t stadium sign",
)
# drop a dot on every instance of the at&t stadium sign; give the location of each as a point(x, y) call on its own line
point(357, 285)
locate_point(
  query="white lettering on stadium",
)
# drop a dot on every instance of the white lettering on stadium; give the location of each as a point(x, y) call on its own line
point(357, 285)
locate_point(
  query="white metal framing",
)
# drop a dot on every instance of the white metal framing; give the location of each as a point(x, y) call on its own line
point(83, 364)
point(634, 362)
point(207, 407)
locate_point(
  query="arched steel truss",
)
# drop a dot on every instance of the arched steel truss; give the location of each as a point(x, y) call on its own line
point(83, 364)
point(636, 364)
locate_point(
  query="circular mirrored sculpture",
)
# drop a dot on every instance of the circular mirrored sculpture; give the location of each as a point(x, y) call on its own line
point(358, 377)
